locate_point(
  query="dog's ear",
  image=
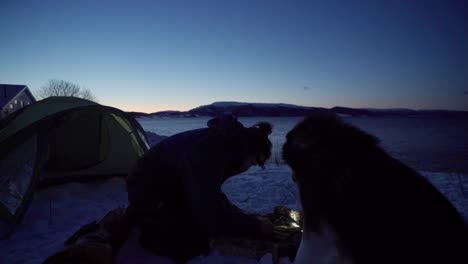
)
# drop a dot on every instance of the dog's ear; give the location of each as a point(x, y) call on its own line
point(314, 128)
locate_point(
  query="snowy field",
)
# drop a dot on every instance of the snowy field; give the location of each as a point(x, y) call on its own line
point(423, 143)
point(56, 212)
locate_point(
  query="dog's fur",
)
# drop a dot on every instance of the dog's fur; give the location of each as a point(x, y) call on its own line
point(380, 210)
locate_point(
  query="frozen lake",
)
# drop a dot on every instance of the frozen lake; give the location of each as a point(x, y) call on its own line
point(424, 143)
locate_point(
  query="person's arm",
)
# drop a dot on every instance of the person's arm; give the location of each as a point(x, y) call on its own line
point(209, 206)
point(266, 226)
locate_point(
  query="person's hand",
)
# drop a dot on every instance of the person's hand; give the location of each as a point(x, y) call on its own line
point(284, 232)
point(268, 229)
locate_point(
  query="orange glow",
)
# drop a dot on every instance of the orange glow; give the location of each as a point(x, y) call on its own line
point(147, 108)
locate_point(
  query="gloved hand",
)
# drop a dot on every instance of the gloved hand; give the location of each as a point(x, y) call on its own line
point(279, 232)
point(282, 232)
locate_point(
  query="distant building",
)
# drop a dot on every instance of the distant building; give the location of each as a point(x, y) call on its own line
point(14, 97)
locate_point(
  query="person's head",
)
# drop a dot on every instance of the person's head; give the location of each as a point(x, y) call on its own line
point(250, 145)
point(255, 147)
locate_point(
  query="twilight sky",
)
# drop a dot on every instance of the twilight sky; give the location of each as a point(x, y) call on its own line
point(175, 55)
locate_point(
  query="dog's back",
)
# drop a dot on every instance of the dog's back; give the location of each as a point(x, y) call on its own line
point(380, 210)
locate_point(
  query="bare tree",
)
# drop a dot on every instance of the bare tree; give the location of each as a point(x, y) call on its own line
point(64, 88)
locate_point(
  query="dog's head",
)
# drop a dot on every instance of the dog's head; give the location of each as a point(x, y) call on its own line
point(323, 140)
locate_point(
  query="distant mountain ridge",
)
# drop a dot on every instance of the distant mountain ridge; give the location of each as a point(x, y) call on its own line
point(252, 109)
point(241, 109)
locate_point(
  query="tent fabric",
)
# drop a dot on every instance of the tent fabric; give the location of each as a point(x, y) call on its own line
point(17, 171)
point(62, 139)
point(40, 110)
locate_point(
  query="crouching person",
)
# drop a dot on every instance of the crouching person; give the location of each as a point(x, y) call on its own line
point(175, 192)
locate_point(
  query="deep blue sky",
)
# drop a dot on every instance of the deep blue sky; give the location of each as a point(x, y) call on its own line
point(176, 55)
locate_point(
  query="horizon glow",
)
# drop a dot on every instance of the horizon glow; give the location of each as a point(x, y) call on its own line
point(151, 56)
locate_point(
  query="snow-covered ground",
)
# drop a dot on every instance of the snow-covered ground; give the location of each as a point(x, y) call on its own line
point(56, 212)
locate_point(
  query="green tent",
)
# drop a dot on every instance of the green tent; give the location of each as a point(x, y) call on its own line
point(61, 139)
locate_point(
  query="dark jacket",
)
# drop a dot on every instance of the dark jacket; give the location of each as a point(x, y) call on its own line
point(181, 177)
